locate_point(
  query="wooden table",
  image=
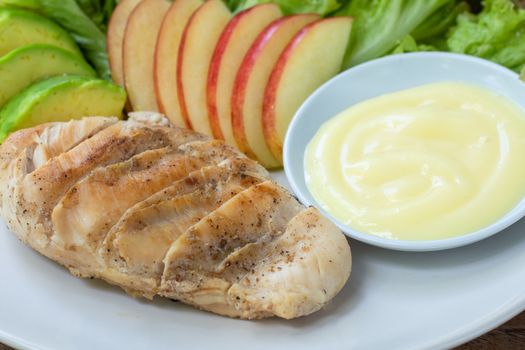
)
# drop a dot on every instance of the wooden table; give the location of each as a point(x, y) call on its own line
point(510, 336)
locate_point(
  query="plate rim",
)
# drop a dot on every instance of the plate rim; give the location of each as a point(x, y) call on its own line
point(472, 331)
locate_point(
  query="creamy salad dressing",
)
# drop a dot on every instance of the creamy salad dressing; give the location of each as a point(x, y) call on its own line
point(432, 162)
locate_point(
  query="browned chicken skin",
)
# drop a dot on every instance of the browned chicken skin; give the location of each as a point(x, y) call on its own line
point(159, 210)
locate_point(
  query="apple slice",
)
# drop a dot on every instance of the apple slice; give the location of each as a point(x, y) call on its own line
point(196, 49)
point(313, 56)
point(252, 77)
point(115, 37)
point(231, 48)
point(166, 52)
point(138, 52)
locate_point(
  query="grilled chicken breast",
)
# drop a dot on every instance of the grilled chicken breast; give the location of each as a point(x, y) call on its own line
point(159, 210)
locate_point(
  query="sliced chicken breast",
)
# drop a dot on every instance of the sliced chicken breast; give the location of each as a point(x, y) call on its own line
point(163, 211)
point(159, 220)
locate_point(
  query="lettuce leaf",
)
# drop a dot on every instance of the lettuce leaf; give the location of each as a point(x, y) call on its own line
point(497, 34)
point(439, 23)
point(99, 11)
point(321, 7)
point(380, 25)
point(409, 44)
point(89, 37)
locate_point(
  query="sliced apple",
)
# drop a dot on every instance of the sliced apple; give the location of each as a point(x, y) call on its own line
point(115, 37)
point(231, 48)
point(252, 77)
point(166, 52)
point(313, 56)
point(138, 52)
point(196, 49)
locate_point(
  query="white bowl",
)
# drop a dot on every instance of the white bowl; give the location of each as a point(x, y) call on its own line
point(382, 76)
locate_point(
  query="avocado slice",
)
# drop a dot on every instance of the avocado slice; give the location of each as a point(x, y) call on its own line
point(61, 99)
point(28, 64)
point(20, 28)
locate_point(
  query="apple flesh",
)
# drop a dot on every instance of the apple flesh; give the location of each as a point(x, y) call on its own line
point(115, 37)
point(252, 77)
point(193, 62)
point(166, 52)
point(229, 52)
point(138, 50)
point(313, 56)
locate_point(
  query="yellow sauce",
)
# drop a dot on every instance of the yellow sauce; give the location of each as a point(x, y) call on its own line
point(432, 162)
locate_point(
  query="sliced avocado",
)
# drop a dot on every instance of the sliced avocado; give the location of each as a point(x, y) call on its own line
point(61, 99)
point(20, 28)
point(28, 64)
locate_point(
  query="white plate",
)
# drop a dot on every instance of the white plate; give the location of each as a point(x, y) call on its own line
point(394, 300)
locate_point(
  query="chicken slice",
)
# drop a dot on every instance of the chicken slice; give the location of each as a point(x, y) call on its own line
point(295, 273)
point(26, 150)
point(211, 150)
point(83, 217)
point(157, 221)
point(192, 264)
point(18, 141)
point(86, 213)
point(41, 189)
point(35, 146)
point(61, 137)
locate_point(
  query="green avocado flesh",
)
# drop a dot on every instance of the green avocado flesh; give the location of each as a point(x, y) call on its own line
point(61, 99)
point(20, 28)
point(26, 65)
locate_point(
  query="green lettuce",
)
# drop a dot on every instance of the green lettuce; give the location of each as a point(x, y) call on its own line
point(497, 34)
point(409, 44)
point(99, 11)
point(90, 37)
point(381, 25)
point(438, 24)
point(321, 7)
point(86, 33)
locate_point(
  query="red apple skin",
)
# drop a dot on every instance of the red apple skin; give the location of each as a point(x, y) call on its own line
point(180, 61)
point(265, 12)
point(115, 38)
point(245, 71)
point(214, 75)
point(241, 82)
point(270, 95)
point(269, 118)
point(180, 64)
point(164, 93)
